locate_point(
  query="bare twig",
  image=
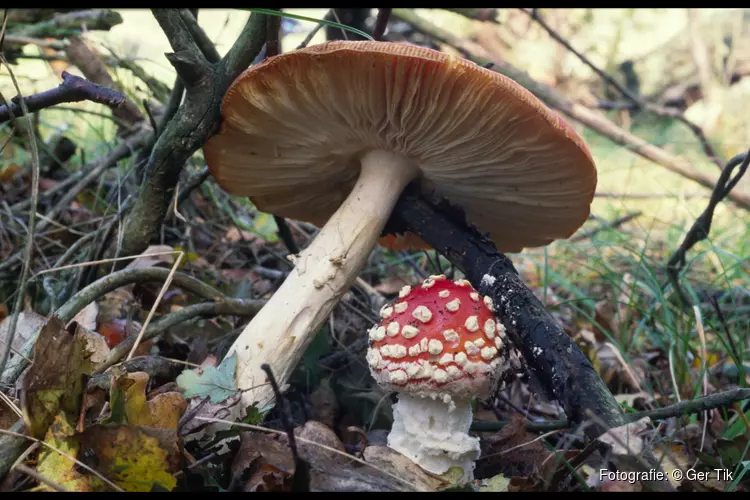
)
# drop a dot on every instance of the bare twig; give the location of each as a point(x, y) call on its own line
point(609, 225)
point(311, 35)
point(97, 289)
point(700, 229)
point(225, 306)
point(72, 22)
point(91, 65)
point(39, 478)
point(29, 248)
point(301, 479)
point(72, 89)
point(636, 100)
point(381, 23)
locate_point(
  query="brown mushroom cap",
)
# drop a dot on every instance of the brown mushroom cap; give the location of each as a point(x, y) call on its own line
point(295, 126)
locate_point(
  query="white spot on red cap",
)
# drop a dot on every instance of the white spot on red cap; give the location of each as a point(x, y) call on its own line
point(462, 283)
point(386, 311)
point(446, 358)
point(479, 342)
point(488, 353)
point(450, 336)
point(489, 328)
point(444, 294)
point(498, 342)
point(423, 344)
point(453, 305)
point(472, 323)
point(474, 296)
point(454, 372)
point(414, 350)
point(422, 313)
point(409, 332)
point(406, 290)
point(377, 333)
point(373, 358)
point(440, 376)
point(461, 358)
point(437, 277)
point(428, 283)
point(393, 351)
point(400, 307)
point(393, 328)
point(435, 347)
point(470, 348)
point(398, 377)
point(488, 302)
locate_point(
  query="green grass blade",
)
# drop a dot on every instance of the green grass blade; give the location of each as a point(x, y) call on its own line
point(326, 22)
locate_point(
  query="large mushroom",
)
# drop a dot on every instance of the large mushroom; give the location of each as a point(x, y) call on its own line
point(332, 133)
point(439, 347)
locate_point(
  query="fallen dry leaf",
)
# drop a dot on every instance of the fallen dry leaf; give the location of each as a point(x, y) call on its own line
point(626, 439)
point(55, 380)
point(86, 317)
point(513, 451)
point(27, 324)
point(264, 461)
point(149, 258)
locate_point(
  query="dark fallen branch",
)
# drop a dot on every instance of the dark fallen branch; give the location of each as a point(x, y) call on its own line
point(72, 89)
point(551, 355)
point(702, 225)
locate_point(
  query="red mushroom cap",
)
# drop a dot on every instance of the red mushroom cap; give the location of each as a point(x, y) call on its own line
point(440, 338)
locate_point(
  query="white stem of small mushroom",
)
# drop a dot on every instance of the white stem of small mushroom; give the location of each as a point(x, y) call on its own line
point(434, 434)
point(281, 332)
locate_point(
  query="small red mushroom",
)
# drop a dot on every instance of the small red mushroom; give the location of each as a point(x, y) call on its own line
point(439, 347)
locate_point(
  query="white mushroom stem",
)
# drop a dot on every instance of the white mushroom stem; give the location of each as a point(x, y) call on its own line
point(435, 434)
point(281, 332)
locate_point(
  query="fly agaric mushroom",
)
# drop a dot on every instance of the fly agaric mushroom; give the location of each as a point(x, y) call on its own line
point(332, 133)
point(438, 346)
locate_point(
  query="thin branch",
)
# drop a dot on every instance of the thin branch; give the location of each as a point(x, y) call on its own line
point(636, 100)
point(97, 289)
point(683, 408)
point(301, 479)
point(207, 47)
point(72, 89)
point(702, 225)
point(609, 225)
point(225, 306)
point(320, 26)
point(381, 23)
point(29, 248)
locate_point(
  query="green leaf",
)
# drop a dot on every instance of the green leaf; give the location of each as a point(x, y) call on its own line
point(210, 382)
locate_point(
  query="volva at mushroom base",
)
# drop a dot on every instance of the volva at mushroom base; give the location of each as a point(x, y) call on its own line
point(439, 347)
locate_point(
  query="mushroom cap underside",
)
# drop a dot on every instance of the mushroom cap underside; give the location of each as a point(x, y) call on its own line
point(295, 127)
